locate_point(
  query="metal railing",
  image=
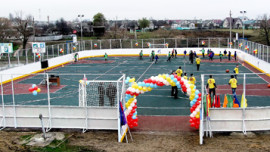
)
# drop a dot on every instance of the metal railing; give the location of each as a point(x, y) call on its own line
point(23, 57)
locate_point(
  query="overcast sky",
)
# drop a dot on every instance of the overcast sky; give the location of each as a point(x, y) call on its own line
point(136, 9)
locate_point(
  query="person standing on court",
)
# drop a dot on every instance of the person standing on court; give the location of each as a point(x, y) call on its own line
point(179, 71)
point(185, 53)
point(106, 56)
point(229, 56)
point(175, 53)
point(76, 57)
point(192, 79)
point(198, 62)
point(191, 57)
point(235, 55)
point(203, 52)
point(101, 93)
point(141, 55)
point(156, 59)
point(211, 84)
point(174, 91)
point(233, 83)
point(169, 57)
point(225, 52)
point(220, 56)
point(111, 93)
point(236, 71)
point(185, 76)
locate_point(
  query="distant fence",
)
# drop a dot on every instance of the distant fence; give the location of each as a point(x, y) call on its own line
point(26, 56)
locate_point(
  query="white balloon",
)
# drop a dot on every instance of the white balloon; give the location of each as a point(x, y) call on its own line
point(129, 108)
point(137, 91)
point(132, 104)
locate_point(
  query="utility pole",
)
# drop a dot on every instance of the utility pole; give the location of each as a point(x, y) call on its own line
point(230, 28)
point(243, 26)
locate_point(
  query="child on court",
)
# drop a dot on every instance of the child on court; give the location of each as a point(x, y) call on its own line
point(198, 62)
point(192, 79)
point(185, 53)
point(156, 58)
point(203, 52)
point(169, 57)
point(233, 83)
point(185, 76)
point(220, 56)
point(179, 71)
point(76, 56)
point(106, 56)
point(141, 55)
point(211, 84)
point(236, 71)
point(153, 55)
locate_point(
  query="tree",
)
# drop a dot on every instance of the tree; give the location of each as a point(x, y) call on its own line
point(23, 27)
point(143, 23)
point(5, 29)
point(63, 27)
point(99, 20)
point(265, 28)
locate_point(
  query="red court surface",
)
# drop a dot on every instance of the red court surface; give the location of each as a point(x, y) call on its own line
point(251, 89)
point(24, 88)
point(163, 123)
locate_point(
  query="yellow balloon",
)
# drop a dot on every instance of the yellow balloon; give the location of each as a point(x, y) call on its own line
point(197, 116)
point(127, 105)
point(140, 87)
point(192, 95)
point(38, 90)
point(144, 89)
point(189, 82)
point(191, 98)
point(81, 81)
point(191, 86)
point(149, 88)
point(130, 80)
point(193, 90)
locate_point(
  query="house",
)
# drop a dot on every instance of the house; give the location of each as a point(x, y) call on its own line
point(236, 23)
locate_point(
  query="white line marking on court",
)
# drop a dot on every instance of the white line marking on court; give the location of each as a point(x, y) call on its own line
point(253, 72)
point(145, 71)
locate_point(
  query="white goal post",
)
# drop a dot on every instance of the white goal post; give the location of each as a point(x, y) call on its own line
point(158, 45)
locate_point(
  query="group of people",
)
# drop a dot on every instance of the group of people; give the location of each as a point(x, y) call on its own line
point(110, 92)
point(211, 83)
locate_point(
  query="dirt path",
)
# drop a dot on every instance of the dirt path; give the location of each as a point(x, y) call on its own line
point(149, 141)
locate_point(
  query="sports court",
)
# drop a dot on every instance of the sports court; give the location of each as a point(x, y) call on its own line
point(158, 102)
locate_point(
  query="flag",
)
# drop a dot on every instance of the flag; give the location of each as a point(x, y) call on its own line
point(225, 101)
point(217, 102)
point(236, 101)
point(230, 101)
point(243, 102)
point(122, 114)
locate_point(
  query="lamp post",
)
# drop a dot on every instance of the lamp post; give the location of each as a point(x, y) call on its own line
point(80, 16)
point(243, 13)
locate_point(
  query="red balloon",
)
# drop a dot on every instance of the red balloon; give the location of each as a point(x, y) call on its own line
point(197, 126)
point(199, 94)
point(154, 81)
point(135, 124)
point(192, 125)
point(190, 121)
point(127, 92)
point(145, 81)
point(135, 106)
point(35, 88)
point(31, 89)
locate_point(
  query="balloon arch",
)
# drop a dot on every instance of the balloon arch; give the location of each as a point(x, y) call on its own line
point(135, 89)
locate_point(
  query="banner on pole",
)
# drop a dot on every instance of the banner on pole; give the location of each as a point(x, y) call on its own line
point(39, 47)
point(6, 48)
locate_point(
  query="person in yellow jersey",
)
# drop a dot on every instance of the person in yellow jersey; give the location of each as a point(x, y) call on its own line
point(192, 79)
point(233, 83)
point(236, 71)
point(179, 71)
point(198, 62)
point(211, 84)
point(185, 76)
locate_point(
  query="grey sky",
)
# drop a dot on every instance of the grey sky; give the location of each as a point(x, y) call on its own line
point(135, 9)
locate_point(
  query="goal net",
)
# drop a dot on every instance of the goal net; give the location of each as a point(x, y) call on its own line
point(158, 45)
point(101, 93)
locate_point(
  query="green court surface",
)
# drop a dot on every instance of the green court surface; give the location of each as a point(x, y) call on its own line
point(156, 102)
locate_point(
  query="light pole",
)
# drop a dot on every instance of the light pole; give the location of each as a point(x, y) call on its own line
point(80, 16)
point(243, 13)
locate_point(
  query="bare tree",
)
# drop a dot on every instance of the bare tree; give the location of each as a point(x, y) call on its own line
point(5, 29)
point(265, 27)
point(24, 27)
